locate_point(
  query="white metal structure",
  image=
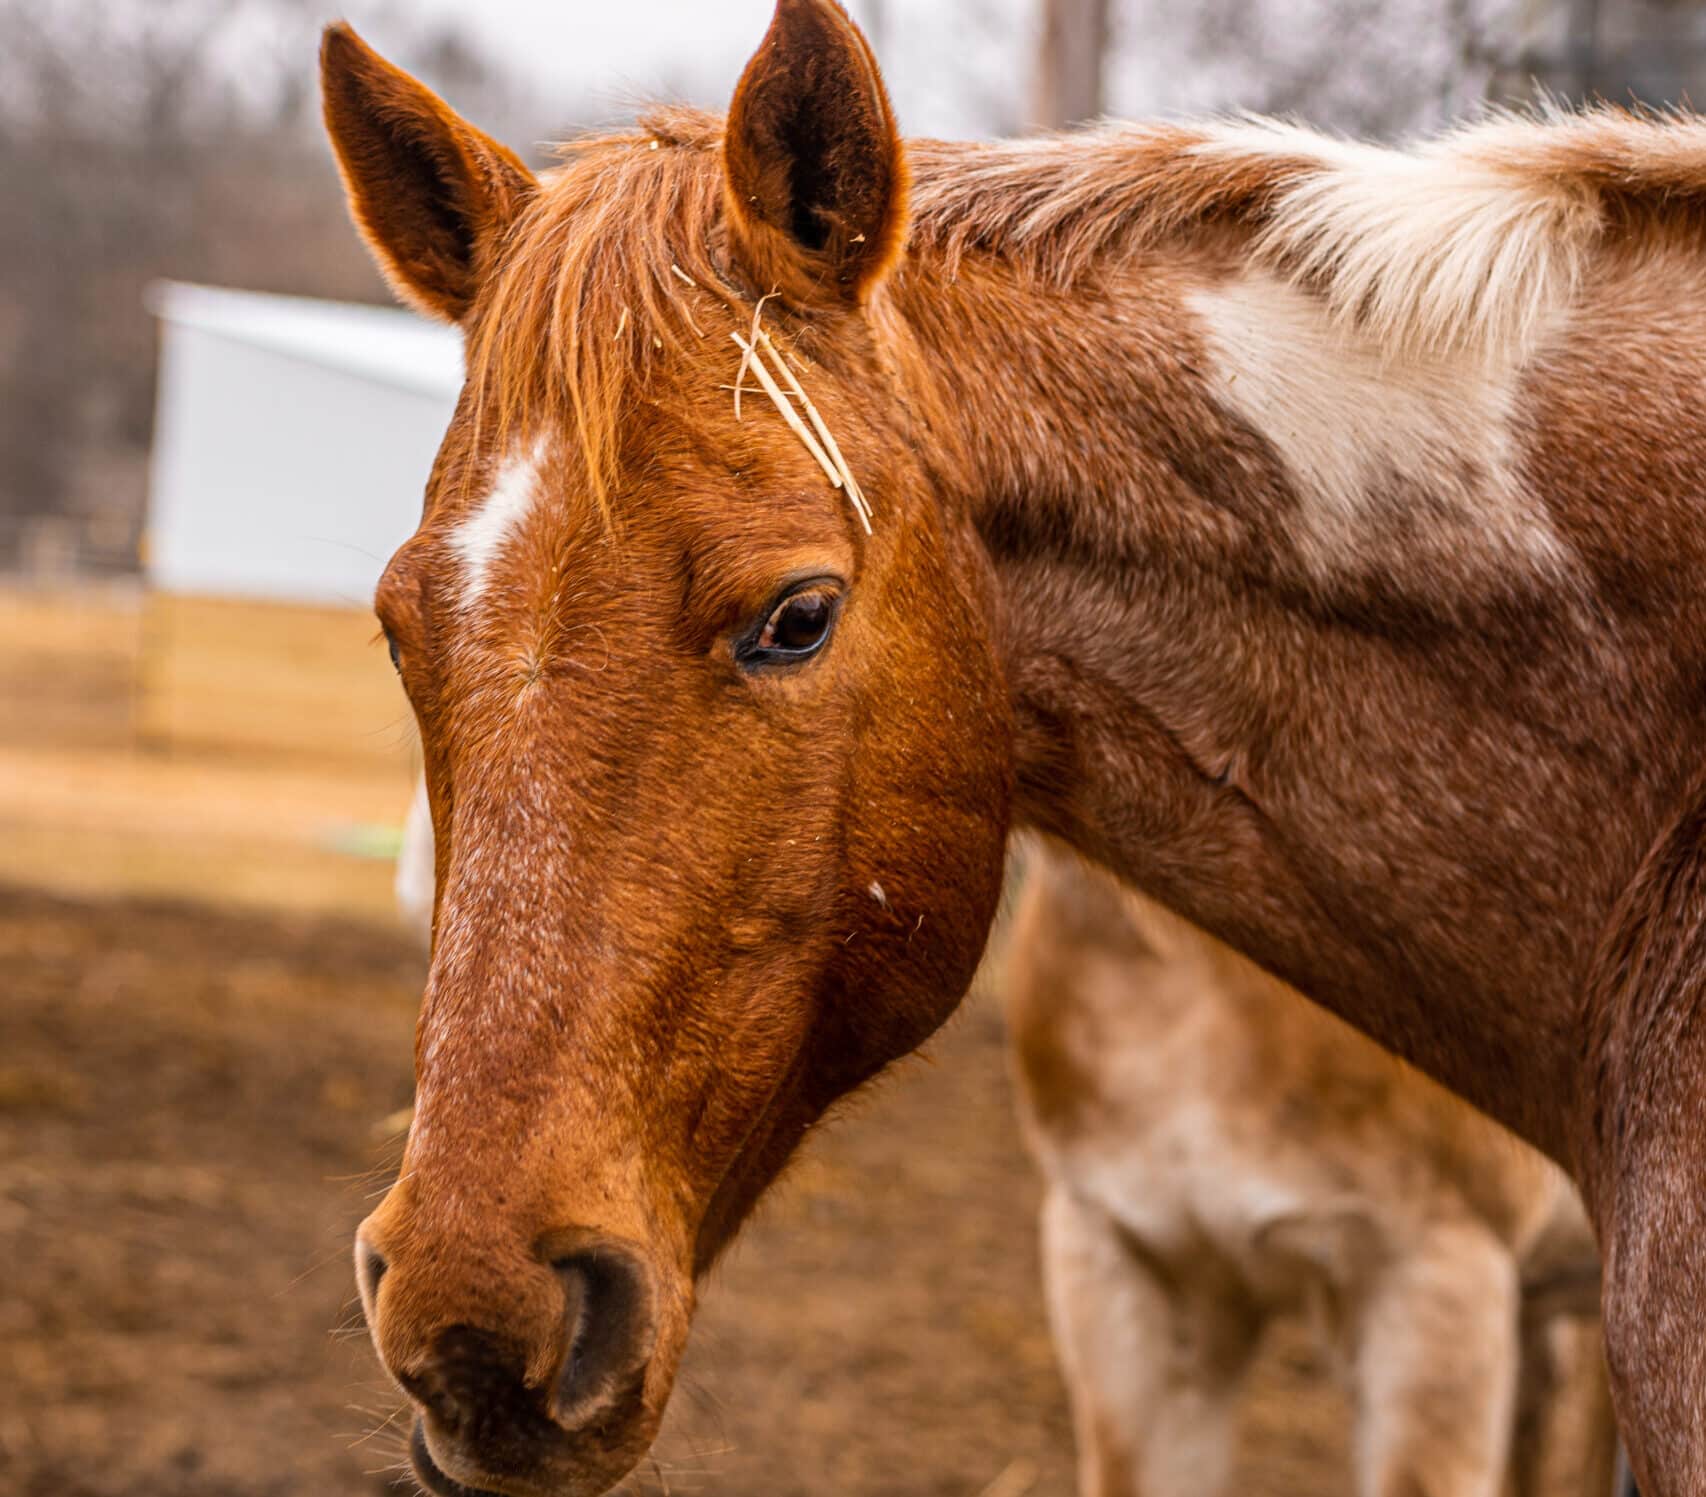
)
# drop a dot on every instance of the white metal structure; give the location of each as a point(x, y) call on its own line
point(292, 442)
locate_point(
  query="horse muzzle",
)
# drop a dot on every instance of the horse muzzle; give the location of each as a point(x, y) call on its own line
point(563, 1402)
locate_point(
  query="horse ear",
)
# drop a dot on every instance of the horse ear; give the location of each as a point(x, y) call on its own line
point(815, 175)
point(429, 192)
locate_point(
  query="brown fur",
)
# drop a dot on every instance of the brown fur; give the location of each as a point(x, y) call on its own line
point(1407, 770)
point(435, 240)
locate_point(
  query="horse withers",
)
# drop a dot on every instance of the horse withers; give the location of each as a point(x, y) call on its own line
point(1307, 532)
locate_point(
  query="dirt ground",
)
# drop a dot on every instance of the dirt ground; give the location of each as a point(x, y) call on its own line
point(193, 1116)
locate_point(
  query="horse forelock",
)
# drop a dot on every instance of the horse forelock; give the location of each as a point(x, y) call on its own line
point(606, 296)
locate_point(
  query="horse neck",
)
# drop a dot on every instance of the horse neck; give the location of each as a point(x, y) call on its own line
point(1038, 399)
point(1201, 635)
point(1080, 431)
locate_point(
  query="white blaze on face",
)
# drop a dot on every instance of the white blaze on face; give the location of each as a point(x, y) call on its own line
point(480, 539)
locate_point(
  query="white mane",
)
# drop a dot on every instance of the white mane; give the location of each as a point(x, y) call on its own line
point(1466, 243)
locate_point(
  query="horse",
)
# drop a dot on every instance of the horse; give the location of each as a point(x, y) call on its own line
point(1218, 1154)
point(1302, 530)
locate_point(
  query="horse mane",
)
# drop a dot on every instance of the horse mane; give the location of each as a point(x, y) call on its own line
point(610, 289)
point(1463, 243)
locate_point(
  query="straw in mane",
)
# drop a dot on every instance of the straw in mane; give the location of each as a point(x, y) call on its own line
point(616, 274)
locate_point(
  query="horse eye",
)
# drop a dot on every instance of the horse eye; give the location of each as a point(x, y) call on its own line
point(396, 655)
point(796, 628)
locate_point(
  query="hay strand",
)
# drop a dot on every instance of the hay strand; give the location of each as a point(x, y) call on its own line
point(817, 438)
point(821, 427)
point(785, 406)
point(746, 358)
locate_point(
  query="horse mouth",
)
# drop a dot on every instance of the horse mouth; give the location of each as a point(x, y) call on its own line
point(512, 1445)
point(428, 1474)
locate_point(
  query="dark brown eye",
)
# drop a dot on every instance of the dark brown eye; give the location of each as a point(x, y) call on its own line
point(799, 624)
point(797, 628)
point(396, 655)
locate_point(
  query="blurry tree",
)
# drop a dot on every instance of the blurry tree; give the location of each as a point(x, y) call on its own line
point(1380, 68)
point(178, 139)
point(1071, 63)
point(1371, 67)
point(954, 67)
point(1651, 50)
point(1393, 67)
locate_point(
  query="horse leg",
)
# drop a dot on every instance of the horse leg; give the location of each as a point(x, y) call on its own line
point(1151, 1366)
point(1435, 1341)
point(1565, 1441)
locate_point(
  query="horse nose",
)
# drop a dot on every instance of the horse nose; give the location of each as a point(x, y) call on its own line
point(562, 1344)
point(609, 1324)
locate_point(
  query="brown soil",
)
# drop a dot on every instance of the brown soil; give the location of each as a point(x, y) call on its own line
point(192, 1112)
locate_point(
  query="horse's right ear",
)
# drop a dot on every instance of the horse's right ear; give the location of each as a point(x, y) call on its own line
point(429, 192)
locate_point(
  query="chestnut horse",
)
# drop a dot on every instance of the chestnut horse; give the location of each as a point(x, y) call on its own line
point(1308, 533)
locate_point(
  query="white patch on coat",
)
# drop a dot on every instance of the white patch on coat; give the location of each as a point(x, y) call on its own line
point(480, 539)
point(1394, 458)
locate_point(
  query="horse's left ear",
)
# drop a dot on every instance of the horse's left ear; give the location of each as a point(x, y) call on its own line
point(815, 175)
point(431, 194)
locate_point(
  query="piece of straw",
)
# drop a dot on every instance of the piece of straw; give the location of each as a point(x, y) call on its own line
point(746, 358)
point(822, 445)
point(740, 378)
point(854, 491)
point(789, 414)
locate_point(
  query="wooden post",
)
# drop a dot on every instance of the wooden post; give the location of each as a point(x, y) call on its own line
point(1068, 87)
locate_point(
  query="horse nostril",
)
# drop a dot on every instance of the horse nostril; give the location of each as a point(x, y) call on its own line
point(608, 1324)
point(369, 1270)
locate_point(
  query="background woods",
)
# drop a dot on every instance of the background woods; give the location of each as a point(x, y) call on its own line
point(180, 138)
point(177, 139)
